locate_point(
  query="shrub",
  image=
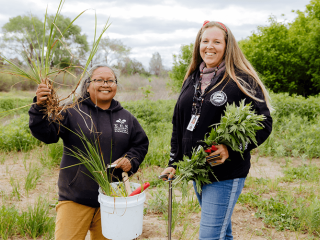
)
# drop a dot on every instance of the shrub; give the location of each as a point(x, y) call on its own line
point(152, 112)
point(180, 66)
point(293, 136)
point(10, 103)
point(286, 105)
point(287, 54)
point(6, 81)
point(16, 135)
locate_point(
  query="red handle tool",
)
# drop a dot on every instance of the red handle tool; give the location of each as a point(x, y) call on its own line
point(138, 190)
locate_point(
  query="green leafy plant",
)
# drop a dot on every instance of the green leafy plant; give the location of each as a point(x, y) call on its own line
point(237, 128)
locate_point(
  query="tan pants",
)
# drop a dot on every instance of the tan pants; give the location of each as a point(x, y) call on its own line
point(74, 220)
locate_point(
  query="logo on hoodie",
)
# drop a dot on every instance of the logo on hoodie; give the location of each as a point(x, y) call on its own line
point(218, 98)
point(120, 126)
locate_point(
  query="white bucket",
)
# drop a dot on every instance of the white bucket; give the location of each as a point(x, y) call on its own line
point(122, 217)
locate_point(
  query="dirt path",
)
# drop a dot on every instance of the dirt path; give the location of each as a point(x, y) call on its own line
point(245, 225)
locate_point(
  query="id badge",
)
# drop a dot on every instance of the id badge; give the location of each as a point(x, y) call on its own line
point(193, 122)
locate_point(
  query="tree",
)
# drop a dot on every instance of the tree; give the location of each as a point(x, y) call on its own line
point(129, 66)
point(22, 33)
point(73, 42)
point(272, 52)
point(287, 55)
point(155, 64)
point(111, 51)
point(181, 63)
point(305, 31)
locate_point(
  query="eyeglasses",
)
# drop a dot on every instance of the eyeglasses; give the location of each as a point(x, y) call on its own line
point(109, 82)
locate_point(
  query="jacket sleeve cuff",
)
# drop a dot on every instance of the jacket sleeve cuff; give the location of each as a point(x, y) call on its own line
point(36, 106)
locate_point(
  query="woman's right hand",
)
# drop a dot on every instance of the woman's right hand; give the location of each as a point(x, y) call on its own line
point(42, 92)
point(170, 171)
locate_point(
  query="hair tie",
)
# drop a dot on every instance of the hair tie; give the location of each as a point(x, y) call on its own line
point(224, 27)
point(205, 22)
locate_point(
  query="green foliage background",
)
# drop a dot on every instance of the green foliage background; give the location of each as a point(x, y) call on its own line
point(180, 66)
point(296, 127)
point(287, 55)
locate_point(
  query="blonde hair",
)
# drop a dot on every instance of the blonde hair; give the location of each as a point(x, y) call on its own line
point(233, 57)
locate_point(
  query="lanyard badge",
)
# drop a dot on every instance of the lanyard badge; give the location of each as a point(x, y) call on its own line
point(196, 107)
point(193, 122)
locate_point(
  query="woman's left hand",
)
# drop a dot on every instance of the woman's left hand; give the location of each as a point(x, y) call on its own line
point(123, 163)
point(223, 151)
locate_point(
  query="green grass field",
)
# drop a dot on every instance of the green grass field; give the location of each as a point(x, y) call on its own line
point(280, 199)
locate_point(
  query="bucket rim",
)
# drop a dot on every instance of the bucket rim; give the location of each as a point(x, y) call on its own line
point(113, 183)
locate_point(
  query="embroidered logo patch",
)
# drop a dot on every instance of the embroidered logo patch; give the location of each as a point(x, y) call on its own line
point(120, 126)
point(218, 98)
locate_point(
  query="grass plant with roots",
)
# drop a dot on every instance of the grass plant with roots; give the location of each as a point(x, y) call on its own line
point(92, 159)
point(38, 66)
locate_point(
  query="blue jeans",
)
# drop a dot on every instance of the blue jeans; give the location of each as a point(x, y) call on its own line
point(217, 201)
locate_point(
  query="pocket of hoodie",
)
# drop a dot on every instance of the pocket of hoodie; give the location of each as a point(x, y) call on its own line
point(75, 177)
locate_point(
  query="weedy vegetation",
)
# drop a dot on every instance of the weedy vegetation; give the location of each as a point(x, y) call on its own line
point(288, 203)
point(34, 174)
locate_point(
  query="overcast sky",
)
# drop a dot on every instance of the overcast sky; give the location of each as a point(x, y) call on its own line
point(149, 26)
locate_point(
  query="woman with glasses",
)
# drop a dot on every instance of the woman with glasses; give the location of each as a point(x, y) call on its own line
point(218, 74)
point(98, 116)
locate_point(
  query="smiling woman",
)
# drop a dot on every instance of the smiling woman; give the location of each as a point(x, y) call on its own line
point(103, 87)
point(219, 74)
point(101, 119)
point(212, 47)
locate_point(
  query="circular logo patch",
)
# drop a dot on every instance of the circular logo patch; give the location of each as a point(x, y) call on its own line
point(218, 98)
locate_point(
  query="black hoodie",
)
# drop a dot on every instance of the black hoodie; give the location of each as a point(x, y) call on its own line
point(183, 140)
point(115, 126)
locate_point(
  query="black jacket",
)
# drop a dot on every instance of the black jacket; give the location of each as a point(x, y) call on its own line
point(183, 140)
point(116, 126)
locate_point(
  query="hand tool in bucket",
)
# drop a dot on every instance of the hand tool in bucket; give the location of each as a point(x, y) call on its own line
point(169, 203)
point(125, 179)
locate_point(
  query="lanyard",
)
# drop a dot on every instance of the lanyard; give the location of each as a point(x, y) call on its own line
point(198, 99)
